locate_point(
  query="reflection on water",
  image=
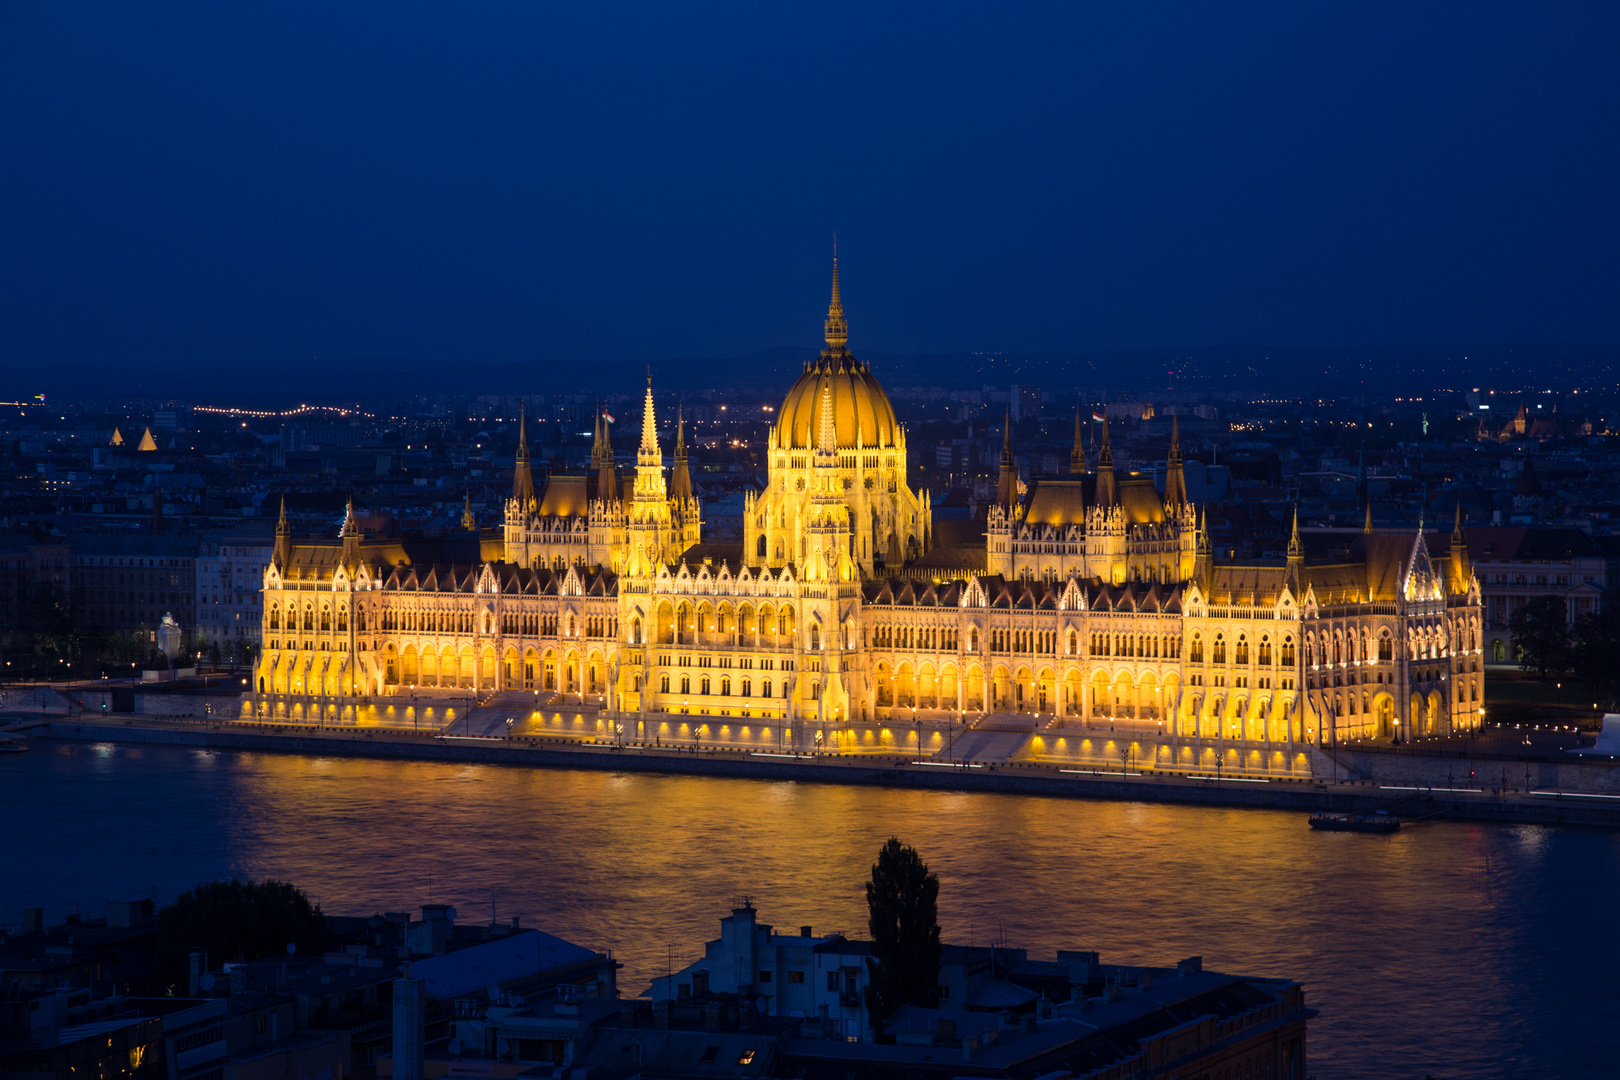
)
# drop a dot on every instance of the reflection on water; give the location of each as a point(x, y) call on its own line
point(1455, 949)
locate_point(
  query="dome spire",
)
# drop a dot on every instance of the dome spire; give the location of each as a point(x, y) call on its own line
point(836, 329)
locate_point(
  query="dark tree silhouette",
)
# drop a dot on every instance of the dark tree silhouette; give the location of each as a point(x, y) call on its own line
point(1597, 643)
point(903, 901)
point(1541, 634)
point(238, 920)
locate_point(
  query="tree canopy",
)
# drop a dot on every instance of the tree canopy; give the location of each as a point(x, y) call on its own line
point(1597, 644)
point(1541, 636)
point(902, 898)
point(238, 920)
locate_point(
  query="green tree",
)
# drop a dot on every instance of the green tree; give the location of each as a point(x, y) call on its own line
point(1596, 645)
point(237, 920)
point(902, 898)
point(1540, 632)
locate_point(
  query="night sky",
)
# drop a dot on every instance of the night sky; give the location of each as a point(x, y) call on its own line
point(505, 182)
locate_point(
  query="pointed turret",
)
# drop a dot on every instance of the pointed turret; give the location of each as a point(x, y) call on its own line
point(1077, 456)
point(522, 477)
point(680, 479)
point(350, 534)
point(468, 522)
point(1107, 494)
point(1296, 555)
point(836, 329)
point(1175, 480)
point(1204, 558)
point(147, 442)
point(1366, 524)
point(827, 426)
point(648, 453)
point(283, 549)
point(118, 438)
point(1007, 482)
point(1461, 569)
point(607, 478)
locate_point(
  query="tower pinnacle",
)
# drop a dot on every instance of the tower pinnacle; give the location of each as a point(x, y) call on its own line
point(648, 453)
point(827, 429)
point(836, 329)
point(1175, 480)
point(1077, 456)
point(522, 477)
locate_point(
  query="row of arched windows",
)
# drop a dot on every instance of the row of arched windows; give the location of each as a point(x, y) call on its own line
point(705, 686)
point(1240, 651)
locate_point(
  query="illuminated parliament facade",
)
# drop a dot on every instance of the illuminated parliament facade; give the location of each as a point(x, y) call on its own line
point(1089, 595)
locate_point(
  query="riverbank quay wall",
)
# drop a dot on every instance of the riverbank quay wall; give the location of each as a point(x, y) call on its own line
point(1014, 778)
point(1442, 769)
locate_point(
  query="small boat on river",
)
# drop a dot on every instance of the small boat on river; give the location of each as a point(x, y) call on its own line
point(12, 746)
point(1368, 823)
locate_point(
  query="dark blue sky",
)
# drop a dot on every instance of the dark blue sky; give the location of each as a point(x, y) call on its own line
point(501, 182)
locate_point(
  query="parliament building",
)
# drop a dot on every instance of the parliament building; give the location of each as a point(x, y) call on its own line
point(1087, 595)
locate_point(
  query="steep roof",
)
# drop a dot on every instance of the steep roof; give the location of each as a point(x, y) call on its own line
point(1056, 501)
point(1140, 500)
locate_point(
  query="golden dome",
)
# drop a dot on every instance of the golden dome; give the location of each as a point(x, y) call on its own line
point(861, 410)
point(859, 406)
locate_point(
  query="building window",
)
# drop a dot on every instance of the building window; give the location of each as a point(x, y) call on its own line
point(796, 977)
point(764, 976)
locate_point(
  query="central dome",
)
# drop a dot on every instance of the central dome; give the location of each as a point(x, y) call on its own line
point(860, 408)
point(861, 411)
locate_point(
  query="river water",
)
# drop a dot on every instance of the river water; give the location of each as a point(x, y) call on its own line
point(1457, 950)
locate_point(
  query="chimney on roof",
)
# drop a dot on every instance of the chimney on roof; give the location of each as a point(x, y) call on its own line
point(804, 931)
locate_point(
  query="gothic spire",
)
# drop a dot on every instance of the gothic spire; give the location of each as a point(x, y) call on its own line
point(1077, 456)
point(1007, 483)
point(648, 454)
point(827, 433)
point(1296, 550)
point(522, 477)
point(283, 549)
point(836, 329)
point(680, 487)
point(1175, 480)
point(1107, 494)
point(607, 481)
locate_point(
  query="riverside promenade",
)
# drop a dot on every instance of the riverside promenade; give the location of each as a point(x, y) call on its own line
point(1463, 794)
